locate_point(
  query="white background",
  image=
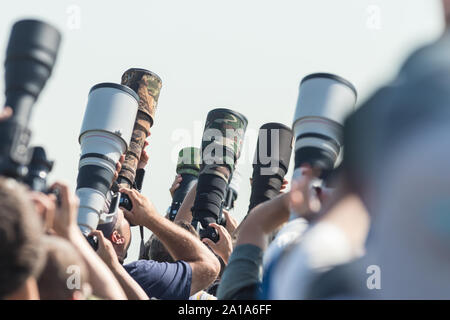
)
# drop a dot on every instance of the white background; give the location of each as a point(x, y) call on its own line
point(245, 55)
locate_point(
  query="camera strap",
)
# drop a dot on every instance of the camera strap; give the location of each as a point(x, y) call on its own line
point(139, 178)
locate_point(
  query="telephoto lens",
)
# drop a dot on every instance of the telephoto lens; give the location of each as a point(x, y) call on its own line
point(188, 166)
point(271, 162)
point(30, 56)
point(233, 189)
point(324, 101)
point(222, 140)
point(105, 133)
point(38, 170)
point(147, 85)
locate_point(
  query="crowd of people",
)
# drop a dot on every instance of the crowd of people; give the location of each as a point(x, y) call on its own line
point(382, 231)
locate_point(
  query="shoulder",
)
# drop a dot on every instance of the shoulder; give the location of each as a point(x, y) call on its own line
point(155, 266)
point(162, 280)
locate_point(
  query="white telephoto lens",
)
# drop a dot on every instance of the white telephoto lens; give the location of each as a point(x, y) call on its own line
point(105, 134)
point(324, 101)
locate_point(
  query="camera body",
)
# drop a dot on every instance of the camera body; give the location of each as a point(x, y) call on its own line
point(209, 232)
point(38, 170)
point(30, 56)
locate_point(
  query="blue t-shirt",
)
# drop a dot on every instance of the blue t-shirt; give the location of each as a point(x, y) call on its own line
point(162, 280)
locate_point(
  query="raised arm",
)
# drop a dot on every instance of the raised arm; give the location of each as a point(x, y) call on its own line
point(180, 243)
point(185, 213)
point(102, 280)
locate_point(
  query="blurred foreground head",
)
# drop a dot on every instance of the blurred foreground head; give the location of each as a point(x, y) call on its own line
point(397, 161)
point(65, 275)
point(21, 255)
point(410, 239)
point(418, 97)
point(446, 4)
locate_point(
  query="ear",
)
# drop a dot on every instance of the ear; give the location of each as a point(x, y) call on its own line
point(117, 238)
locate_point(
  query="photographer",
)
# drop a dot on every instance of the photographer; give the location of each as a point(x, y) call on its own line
point(195, 269)
point(65, 225)
point(63, 264)
point(21, 254)
point(107, 252)
point(336, 235)
point(401, 126)
point(243, 275)
point(156, 251)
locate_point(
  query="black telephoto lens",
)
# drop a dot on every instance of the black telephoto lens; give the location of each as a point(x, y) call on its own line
point(30, 56)
point(271, 162)
point(188, 166)
point(221, 147)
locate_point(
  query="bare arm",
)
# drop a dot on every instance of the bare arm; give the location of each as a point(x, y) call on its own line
point(180, 243)
point(102, 279)
point(262, 220)
point(185, 213)
point(106, 251)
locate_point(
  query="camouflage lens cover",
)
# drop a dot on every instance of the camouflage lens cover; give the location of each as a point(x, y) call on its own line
point(223, 137)
point(148, 86)
point(189, 160)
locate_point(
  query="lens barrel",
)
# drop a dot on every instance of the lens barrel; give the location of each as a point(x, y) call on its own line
point(106, 130)
point(221, 147)
point(147, 85)
point(30, 56)
point(271, 162)
point(188, 166)
point(323, 103)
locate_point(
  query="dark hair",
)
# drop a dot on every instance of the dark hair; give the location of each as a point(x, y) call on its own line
point(53, 281)
point(21, 255)
point(155, 249)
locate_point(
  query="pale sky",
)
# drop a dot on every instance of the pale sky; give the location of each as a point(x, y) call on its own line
point(245, 55)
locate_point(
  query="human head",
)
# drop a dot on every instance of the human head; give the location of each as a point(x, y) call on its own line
point(155, 249)
point(411, 234)
point(446, 4)
point(21, 255)
point(65, 275)
point(121, 236)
